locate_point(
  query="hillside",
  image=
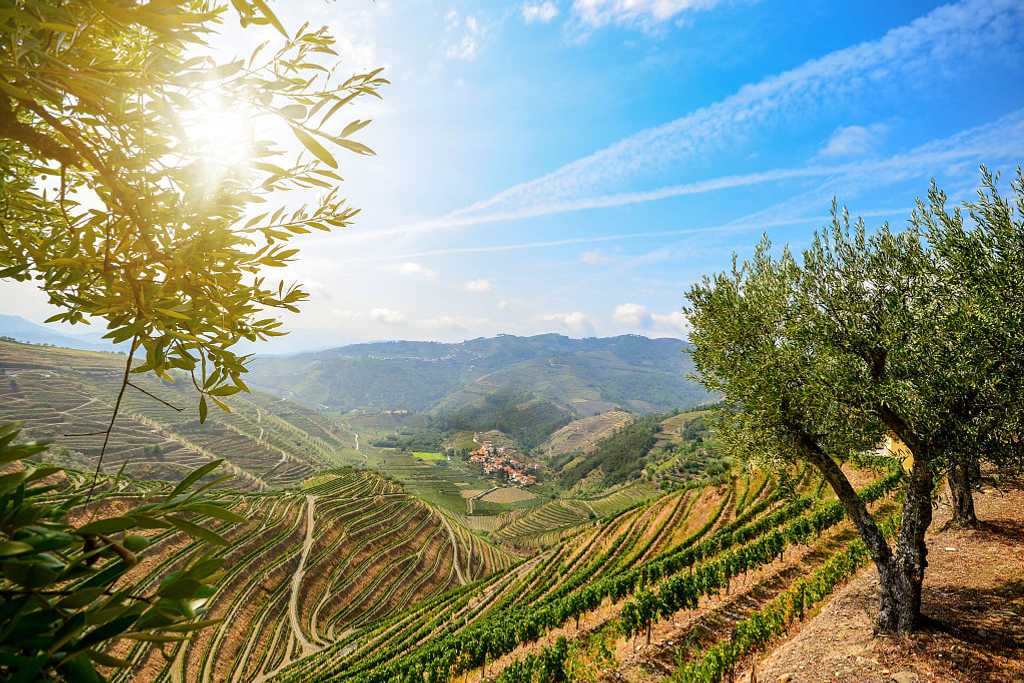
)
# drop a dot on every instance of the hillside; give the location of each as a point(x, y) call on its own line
point(579, 376)
point(307, 567)
point(17, 328)
point(66, 396)
point(581, 604)
point(594, 453)
point(581, 436)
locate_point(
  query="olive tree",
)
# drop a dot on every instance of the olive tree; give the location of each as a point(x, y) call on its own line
point(866, 335)
point(111, 201)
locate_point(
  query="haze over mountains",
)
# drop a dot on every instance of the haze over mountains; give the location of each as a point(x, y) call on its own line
point(548, 375)
point(578, 376)
point(16, 327)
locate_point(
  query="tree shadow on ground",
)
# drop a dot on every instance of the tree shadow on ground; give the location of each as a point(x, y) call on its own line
point(973, 630)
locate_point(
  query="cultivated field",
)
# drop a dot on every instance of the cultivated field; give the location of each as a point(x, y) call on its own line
point(611, 580)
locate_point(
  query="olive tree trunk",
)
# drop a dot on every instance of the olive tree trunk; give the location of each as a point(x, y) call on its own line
point(961, 481)
point(902, 577)
point(900, 571)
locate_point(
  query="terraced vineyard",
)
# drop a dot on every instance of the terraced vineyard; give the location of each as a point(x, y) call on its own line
point(346, 574)
point(678, 549)
point(67, 396)
point(547, 524)
point(307, 568)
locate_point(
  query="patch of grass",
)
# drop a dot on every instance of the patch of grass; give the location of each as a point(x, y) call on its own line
point(423, 455)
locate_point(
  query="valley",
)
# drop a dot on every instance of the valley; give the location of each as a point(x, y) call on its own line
point(377, 545)
point(354, 522)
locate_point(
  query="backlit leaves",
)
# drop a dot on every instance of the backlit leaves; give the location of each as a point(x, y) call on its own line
point(112, 207)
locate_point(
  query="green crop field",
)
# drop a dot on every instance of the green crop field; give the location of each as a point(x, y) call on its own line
point(420, 455)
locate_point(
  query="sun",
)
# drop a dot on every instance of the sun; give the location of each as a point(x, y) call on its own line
point(220, 135)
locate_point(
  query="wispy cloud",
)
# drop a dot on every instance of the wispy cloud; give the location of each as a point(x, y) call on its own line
point(642, 14)
point(735, 226)
point(854, 141)
point(592, 257)
point(925, 50)
point(542, 12)
point(469, 35)
point(993, 142)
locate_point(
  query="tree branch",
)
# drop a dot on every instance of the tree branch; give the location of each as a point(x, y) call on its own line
point(852, 503)
point(110, 427)
point(155, 397)
point(12, 128)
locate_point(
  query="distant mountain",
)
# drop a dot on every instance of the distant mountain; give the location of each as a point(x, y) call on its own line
point(16, 327)
point(579, 377)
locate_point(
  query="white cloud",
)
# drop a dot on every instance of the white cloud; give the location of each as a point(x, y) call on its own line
point(993, 142)
point(643, 14)
point(411, 268)
point(576, 323)
point(638, 317)
point(465, 47)
point(387, 316)
point(592, 257)
point(673, 323)
point(925, 52)
point(632, 315)
point(481, 286)
point(543, 12)
point(456, 323)
point(854, 141)
point(359, 53)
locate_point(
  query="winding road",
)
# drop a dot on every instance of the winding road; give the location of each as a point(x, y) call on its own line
point(293, 600)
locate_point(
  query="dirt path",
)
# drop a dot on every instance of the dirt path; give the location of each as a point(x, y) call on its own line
point(455, 549)
point(973, 599)
point(293, 600)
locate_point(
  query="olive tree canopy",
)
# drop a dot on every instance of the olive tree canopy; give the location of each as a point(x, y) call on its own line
point(914, 334)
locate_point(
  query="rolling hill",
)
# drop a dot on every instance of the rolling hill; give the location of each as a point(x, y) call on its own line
point(17, 328)
point(580, 377)
point(340, 573)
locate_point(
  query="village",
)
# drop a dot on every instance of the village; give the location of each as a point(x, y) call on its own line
point(502, 460)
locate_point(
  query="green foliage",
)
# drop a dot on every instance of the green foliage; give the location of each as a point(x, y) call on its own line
point(914, 334)
point(772, 620)
point(527, 420)
point(64, 597)
point(682, 591)
point(113, 204)
point(911, 332)
point(620, 456)
point(414, 438)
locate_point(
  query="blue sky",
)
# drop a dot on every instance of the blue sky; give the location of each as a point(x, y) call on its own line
point(573, 165)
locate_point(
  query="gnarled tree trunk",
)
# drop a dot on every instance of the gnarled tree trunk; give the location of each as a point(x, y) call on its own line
point(902, 577)
point(961, 480)
point(900, 573)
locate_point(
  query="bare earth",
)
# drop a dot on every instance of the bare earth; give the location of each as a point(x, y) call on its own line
point(973, 599)
point(508, 494)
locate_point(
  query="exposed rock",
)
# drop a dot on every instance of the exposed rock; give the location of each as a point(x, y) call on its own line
point(905, 677)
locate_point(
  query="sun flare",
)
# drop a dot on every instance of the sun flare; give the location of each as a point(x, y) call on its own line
point(220, 135)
